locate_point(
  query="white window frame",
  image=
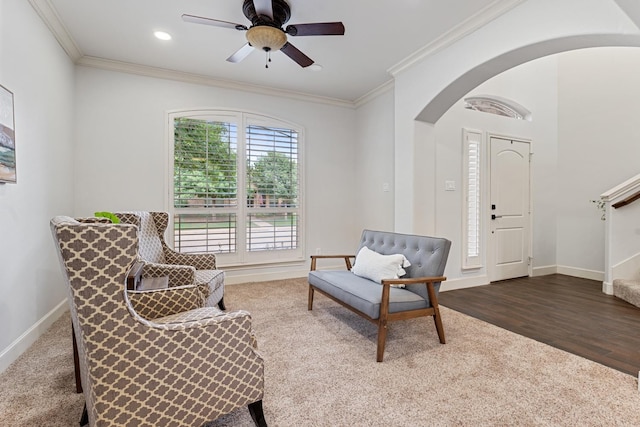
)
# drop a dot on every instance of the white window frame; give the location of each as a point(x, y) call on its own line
point(241, 119)
point(472, 198)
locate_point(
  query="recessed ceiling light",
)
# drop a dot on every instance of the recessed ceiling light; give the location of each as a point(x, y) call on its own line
point(315, 67)
point(162, 35)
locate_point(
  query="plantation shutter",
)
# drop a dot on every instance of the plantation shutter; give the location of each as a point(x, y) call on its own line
point(205, 176)
point(471, 210)
point(272, 188)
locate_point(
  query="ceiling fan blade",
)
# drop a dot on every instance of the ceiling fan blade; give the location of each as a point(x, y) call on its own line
point(316, 29)
point(264, 7)
point(215, 22)
point(292, 52)
point(241, 53)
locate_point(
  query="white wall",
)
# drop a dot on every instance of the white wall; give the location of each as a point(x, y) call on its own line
point(122, 153)
point(373, 187)
point(40, 75)
point(598, 144)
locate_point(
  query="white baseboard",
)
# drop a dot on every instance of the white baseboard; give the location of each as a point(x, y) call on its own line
point(581, 272)
point(24, 341)
point(607, 288)
point(234, 276)
point(463, 283)
point(544, 270)
point(239, 276)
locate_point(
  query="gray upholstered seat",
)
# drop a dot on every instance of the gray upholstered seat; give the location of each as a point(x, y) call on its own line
point(363, 294)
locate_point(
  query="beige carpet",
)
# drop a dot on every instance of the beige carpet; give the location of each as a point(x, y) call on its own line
point(321, 371)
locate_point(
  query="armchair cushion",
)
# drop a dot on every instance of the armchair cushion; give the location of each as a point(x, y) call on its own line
point(190, 316)
point(159, 303)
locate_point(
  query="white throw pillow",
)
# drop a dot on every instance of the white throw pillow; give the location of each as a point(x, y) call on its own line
point(374, 266)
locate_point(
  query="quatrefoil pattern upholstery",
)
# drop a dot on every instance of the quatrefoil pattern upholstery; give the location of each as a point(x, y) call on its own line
point(160, 260)
point(150, 358)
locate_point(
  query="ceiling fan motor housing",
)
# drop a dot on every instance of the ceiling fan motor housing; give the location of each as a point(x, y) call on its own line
point(281, 13)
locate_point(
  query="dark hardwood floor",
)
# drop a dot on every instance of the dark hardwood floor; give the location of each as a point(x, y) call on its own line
point(565, 312)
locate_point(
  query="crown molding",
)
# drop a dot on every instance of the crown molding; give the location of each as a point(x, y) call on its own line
point(466, 27)
point(50, 17)
point(374, 93)
point(161, 73)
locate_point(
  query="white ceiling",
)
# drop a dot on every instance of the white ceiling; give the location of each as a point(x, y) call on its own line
point(379, 35)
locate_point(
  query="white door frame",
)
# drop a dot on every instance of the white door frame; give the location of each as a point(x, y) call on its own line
point(489, 240)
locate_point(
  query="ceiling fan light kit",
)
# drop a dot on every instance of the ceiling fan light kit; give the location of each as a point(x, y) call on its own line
point(266, 33)
point(266, 38)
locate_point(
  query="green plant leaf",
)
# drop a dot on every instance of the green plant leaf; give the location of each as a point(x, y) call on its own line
point(114, 219)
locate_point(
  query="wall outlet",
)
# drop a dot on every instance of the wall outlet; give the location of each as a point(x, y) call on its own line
point(318, 251)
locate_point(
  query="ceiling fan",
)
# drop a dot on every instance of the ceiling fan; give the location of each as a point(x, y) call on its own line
point(267, 32)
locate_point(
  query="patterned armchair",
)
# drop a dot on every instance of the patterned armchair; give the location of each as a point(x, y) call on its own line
point(158, 357)
point(162, 261)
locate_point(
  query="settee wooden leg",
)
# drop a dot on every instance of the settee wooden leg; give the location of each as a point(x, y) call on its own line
point(438, 321)
point(221, 304)
point(255, 409)
point(382, 338)
point(310, 306)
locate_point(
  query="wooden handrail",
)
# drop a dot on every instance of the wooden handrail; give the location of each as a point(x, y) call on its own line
point(627, 201)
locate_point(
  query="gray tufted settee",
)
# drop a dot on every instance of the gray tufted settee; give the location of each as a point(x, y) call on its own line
point(414, 294)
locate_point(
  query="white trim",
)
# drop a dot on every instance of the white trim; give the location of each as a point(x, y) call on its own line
point(26, 340)
point(198, 79)
point(374, 93)
point(463, 283)
point(581, 272)
point(627, 268)
point(466, 27)
point(607, 288)
point(544, 270)
point(620, 190)
point(52, 20)
point(264, 273)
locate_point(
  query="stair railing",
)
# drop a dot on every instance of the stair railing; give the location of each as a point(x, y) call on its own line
point(621, 251)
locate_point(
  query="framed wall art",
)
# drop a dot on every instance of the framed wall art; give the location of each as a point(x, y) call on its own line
point(7, 137)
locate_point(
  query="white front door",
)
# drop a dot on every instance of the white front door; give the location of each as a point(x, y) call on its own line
point(509, 215)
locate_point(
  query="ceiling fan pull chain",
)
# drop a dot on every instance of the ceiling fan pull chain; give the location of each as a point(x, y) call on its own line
point(266, 65)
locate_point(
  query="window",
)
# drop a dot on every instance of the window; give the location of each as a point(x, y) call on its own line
point(236, 187)
point(497, 105)
point(471, 256)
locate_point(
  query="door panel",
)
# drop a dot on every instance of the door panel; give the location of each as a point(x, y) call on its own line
point(510, 213)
